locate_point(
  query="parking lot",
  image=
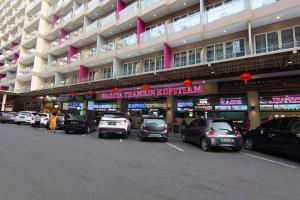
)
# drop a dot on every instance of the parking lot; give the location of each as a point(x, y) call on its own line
point(35, 164)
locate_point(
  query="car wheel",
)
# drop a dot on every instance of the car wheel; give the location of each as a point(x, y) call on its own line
point(236, 149)
point(249, 144)
point(18, 123)
point(204, 145)
point(125, 136)
point(141, 139)
point(101, 135)
point(67, 132)
point(165, 140)
point(183, 137)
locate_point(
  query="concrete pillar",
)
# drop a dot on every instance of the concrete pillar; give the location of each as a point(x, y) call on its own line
point(83, 73)
point(167, 56)
point(250, 37)
point(140, 28)
point(122, 105)
point(170, 109)
point(100, 41)
point(3, 102)
point(253, 111)
point(202, 9)
point(120, 6)
point(117, 67)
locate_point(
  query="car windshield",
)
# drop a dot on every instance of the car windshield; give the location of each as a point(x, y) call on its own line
point(222, 127)
point(43, 115)
point(154, 121)
point(25, 113)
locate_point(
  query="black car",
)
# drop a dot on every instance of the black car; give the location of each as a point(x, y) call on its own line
point(213, 132)
point(7, 117)
point(79, 124)
point(153, 127)
point(280, 135)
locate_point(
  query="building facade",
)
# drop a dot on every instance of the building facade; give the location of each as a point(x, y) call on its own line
point(126, 49)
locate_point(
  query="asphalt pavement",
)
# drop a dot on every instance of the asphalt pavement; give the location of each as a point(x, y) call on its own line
point(39, 165)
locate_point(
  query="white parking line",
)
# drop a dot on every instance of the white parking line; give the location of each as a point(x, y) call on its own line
point(174, 146)
point(268, 160)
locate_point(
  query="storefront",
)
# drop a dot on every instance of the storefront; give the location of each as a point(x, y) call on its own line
point(76, 105)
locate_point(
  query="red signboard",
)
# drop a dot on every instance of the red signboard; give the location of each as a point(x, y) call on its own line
point(155, 91)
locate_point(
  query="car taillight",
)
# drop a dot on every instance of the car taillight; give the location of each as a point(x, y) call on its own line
point(237, 133)
point(165, 127)
point(211, 132)
point(144, 126)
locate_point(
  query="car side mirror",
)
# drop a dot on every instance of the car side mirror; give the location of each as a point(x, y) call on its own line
point(298, 135)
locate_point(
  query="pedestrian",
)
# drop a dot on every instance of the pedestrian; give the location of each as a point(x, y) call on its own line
point(184, 125)
point(52, 124)
point(37, 121)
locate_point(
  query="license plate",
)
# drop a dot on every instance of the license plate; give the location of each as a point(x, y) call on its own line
point(154, 135)
point(112, 123)
point(227, 140)
point(22, 117)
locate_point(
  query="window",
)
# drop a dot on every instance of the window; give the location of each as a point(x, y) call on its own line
point(287, 38)
point(272, 39)
point(297, 35)
point(129, 39)
point(107, 73)
point(129, 68)
point(294, 126)
point(210, 53)
point(189, 57)
point(239, 47)
point(260, 43)
point(92, 75)
point(270, 124)
point(229, 50)
point(153, 64)
point(219, 52)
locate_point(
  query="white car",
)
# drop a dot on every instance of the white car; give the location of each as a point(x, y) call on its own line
point(44, 119)
point(24, 117)
point(114, 124)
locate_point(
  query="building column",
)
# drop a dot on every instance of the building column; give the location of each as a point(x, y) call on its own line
point(122, 104)
point(140, 28)
point(250, 37)
point(54, 19)
point(170, 109)
point(71, 52)
point(202, 9)
point(62, 34)
point(253, 110)
point(3, 102)
point(167, 56)
point(117, 67)
point(120, 6)
point(83, 73)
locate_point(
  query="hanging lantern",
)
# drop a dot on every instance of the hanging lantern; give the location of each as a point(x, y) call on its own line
point(33, 97)
point(115, 90)
point(187, 83)
point(91, 92)
point(246, 77)
point(72, 94)
point(146, 87)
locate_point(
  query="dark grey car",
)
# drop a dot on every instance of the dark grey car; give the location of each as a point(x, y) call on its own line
point(153, 127)
point(213, 132)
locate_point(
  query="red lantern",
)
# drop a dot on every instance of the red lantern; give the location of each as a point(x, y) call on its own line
point(115, 90)
point(187, 83)
point(72, 94)
point(34, 97)
point(246, 77)
point(91, 92)
point(146, 87)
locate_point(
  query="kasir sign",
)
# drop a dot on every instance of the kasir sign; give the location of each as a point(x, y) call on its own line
point(153, 91)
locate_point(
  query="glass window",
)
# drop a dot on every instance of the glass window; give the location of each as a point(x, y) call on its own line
point(287, 38)
point(272, 39)
point(152, 64)
point(146, 65)
point(198, 55)
point(183, 58)
point(219, 51)
point(177, 59)
point(191, 57)
point(125, 69)
point(107, 73)
point(210, 53)
point(92, 75)
point(159, 63)
point(297, 35)
point(229, 49)
point(294, 126)
point(239, 47)
point(260, 43)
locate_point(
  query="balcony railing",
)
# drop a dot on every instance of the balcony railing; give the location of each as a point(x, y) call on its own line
point(260, 3)
point(147, 3)
point(24, 71)
point(129, 10)
point(67, 18)
point(75, 58)
point(185, 23)
point(126, 42)
point(284, 46)
point(23, 89)
point(224, 10)
point(153, 33)
point(79, 10)
point(110, 19)
point(58, 3)
point(93, 3)
point(107, 48)
point(91, 27)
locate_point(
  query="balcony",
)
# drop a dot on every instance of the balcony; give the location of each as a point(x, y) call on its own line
point(153, 38)
point(23, 89)
point(108, 24)
point(29, 40)
point(28, 57)
point(24, 74)
point(128, 15)
point(92, 29)
point(261, 3)
point(127, 46)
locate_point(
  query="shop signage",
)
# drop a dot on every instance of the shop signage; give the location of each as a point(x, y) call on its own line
point(158, 91)
point(295, 99)
point(280, 83)
point(63, 97)
point(65, 106)
point(231, 101)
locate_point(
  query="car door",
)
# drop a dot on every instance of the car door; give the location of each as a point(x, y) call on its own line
point(199, 131)
point(192, 128)
point(265, 132)
point(285, 138)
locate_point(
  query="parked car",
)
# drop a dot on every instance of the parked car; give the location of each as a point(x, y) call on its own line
point(85, 124)
point(7, 117)
point(24, 117)
point(114, 124)
point(44, 119)
point(280, 135)
point(213, 132)
point(153, 127)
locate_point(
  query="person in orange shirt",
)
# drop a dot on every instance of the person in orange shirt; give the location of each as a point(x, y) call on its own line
point(52, 124)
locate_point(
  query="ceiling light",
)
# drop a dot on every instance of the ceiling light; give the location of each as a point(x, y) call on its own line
point(212, 72)
point(112, 5)
point(184, 41)
point(154, 15)
point(96, 14)
point(290, 62)
point(224, 31)
point(130, 25)
point(110, 32)
point(294, 51)
point(184, 3)
point(278, 17)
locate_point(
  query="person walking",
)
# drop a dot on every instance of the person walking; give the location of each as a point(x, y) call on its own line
point(52, 124)
point(37, 121)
